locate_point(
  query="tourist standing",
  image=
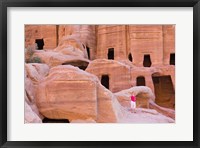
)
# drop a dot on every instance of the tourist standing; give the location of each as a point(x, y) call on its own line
point(133, 103)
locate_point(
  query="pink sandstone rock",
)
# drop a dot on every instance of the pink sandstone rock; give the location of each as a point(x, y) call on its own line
point(144, 116)
point(86, 34)
point(30, 115)
point(70, 93)
point(117, 72)
point(52, 59)
point(83, 121)
point(69, 50)
point(109, 109)
point(42, 69)
point(34, 73)
point(157, 41)
point(165, 111)
point(145, 98)
point(45, 32)
point(122, 75)
point(140, 55)
point(29, 89)
point(143, 95)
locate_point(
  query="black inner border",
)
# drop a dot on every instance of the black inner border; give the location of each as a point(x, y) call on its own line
point(4, 4)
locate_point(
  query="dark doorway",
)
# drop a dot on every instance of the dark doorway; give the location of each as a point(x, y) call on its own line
point(88, 52)
point(47, 120)
point(105, 81)
point(80, 64)
point(57, 35)
point(111, 53)
point(140, 81)
point(147, 61)
point(172, 59)
point(40, 43)
point(130, 57)
point(82, 67)
point(164, 91)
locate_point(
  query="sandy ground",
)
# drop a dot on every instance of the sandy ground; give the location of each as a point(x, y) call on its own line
point(142, 115)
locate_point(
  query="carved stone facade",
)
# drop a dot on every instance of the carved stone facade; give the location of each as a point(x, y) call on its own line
point(121, 56)
point(46, 32)
point(144, 45)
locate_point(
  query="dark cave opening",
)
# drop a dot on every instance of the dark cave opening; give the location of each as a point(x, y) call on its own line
point(147, 61)
point(172, 59)
point(164, 91)
point(111, 53)
point(47, 120)
point(80, 64)
point(105, 81)
point(88, 52)
point(40, 43)
point(140, 81)
point(130, 57)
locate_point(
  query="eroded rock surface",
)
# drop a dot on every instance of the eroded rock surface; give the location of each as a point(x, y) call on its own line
point(117, 59)
point(143, 94)
point(34, 73)
point(73, 94)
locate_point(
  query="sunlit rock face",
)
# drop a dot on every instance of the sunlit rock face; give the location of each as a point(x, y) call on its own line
point(73, 94)
point(86, 73)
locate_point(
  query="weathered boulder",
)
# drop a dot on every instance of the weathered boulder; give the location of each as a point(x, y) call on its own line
point(73, 40)
point(34, 73)
point(73, 94)
point(52, 59)
point(142, 93)
point(30, 115)
point(145, 99)
point(69, 50)
point(42, 69)
point(29, 90)
point(109, 109)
